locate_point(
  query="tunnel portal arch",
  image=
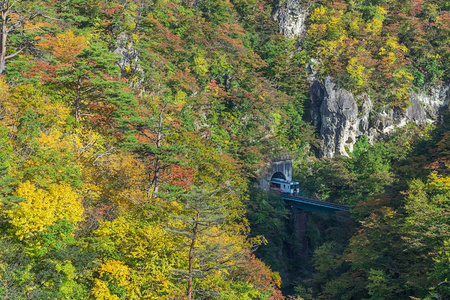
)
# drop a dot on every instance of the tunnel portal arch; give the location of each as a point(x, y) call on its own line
point(278, 175)
point(276, 167)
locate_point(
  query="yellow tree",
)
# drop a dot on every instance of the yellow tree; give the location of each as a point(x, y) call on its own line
point(41, 208)
point(427, 230)
point(144, 255)
point(210, 216)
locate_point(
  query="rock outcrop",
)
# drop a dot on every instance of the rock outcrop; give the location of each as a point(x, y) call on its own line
point(341, 120)
point(291, 17)
point(129, 57)
point(336, 112)
point(435, 102)
point(340, 116)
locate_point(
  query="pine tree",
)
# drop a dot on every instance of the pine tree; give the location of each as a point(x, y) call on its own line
point(15, 33)
point(6, 199)
point(209, 246)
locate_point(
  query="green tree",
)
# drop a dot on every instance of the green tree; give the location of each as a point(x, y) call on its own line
point(86, 75)
point(6, 179)
point(427, 228)
point(210, 247)
point(268, 218)
point(17, 28)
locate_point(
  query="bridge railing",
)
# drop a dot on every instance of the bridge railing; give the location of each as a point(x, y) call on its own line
point(313, 200)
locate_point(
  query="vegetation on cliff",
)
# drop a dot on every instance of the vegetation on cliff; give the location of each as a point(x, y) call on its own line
point(129, 130)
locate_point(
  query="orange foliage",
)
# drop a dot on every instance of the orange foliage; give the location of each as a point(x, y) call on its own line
point(101, 114)
point(441, 154)
point(65, 46)
point(262, 277)
point(46, 72)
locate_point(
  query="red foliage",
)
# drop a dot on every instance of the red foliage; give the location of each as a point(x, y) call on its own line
point(180, 176)
point(101, 114)
point(339, 5)
point(185, 80)
point(46, 72)
point(113, 10)
point(416, 8)
point(375, 205)
point(213, 84)
point(440, 155)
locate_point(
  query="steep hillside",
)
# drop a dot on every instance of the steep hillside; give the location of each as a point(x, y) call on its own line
point(132, 133)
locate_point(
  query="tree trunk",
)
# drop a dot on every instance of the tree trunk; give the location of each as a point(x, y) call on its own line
point(22, 18)
point(4, 35)
point(191, 256)
point(2, 67)
point(78, 101)
point(154, 181)
point(156, 175)
point(157, 165)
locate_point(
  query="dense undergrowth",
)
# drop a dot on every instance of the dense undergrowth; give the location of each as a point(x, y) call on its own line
point(129, 129)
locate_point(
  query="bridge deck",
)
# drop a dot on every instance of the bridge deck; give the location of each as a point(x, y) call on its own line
point(304, 203)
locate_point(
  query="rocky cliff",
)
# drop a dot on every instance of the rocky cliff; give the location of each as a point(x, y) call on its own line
point(342, 117)
point(291, 16)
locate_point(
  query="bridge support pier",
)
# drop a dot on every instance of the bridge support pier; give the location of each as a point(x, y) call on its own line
point(299, 224)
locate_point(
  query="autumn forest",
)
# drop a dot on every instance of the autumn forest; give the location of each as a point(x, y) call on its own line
point(132, 133)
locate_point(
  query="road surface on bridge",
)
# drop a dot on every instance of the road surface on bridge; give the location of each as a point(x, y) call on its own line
point(307, 204)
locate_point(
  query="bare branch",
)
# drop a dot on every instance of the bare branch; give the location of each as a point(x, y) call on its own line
point(14, 54)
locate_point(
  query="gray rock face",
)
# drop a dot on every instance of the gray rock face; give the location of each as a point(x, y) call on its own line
point(341, 121)
point(415, 112)
point(128, 55)
point(339, 113)
point(336, 112)
point(435, 102)
point(291, 18)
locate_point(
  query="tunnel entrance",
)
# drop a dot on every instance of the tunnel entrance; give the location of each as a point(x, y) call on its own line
point(278, 175)
point(278, 168)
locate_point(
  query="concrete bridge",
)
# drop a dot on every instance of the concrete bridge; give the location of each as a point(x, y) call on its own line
point(280, 166)
point(303, 203)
